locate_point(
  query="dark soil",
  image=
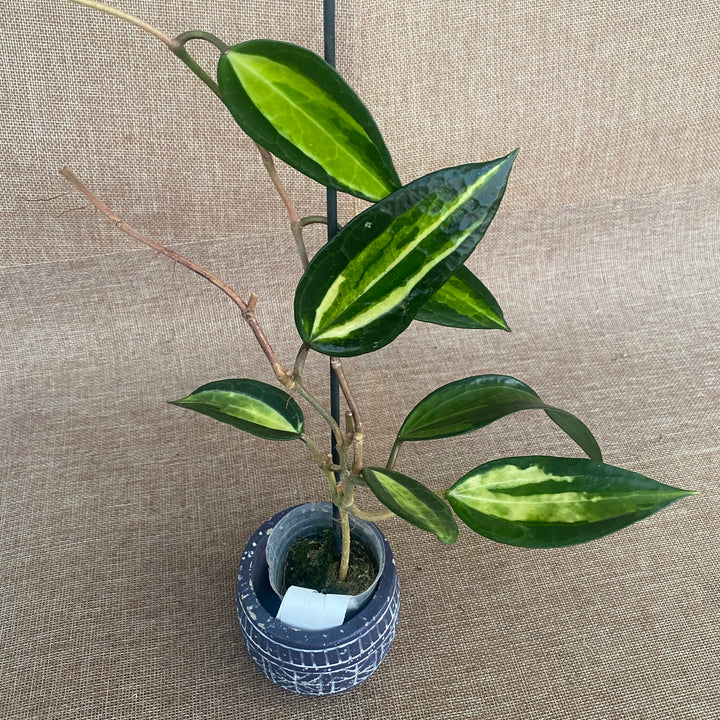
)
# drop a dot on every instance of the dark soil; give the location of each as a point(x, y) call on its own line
point(311, 563)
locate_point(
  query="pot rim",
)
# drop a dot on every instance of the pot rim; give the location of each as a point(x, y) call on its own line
point(305, 520)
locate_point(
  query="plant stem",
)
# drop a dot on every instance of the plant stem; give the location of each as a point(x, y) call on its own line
point(325, 465)
point(349, 427)
point(182, 38)
point(345, 550)
point(313, 219)
point(296, 224)
point(182, 54)
point(348, 495)
point(300, 361)
point(340, 439)
point(348, 504)
point(247, 309)
point(359, 427)
point(393, 455)
point(110, 10)
point(369, 516)
point(317, 406)
point(175, 45)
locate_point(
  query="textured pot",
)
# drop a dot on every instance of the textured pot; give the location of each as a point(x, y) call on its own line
point(322, 662)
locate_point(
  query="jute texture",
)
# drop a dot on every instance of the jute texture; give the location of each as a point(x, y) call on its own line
point(122, 518)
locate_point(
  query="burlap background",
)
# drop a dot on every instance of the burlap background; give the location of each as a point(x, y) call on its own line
point(123, 519)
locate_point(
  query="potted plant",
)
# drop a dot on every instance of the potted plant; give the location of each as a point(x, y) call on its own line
point(398, 261)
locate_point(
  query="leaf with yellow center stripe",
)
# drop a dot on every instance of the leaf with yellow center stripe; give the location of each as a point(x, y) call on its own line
point(290, 101)
point(367, 284)
point(463, 302)
point(412, 501)
point(543, 502)
point(250, 405)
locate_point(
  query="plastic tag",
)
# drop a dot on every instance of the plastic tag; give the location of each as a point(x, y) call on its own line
point(307, 609)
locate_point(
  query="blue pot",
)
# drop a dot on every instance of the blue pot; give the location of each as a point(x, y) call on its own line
point(313, 663)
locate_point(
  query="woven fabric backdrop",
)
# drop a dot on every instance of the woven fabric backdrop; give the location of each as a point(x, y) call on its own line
point(122, 519)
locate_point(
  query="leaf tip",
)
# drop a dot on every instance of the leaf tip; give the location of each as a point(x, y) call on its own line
point(681, 492)
point(449, 539)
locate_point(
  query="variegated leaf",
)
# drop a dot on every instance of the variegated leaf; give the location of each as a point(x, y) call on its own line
point(463, 302)
point(367, 284)
point(293, 103)
point(250, 405)
point(412, 501)
point(474, 402)
point(542, 502)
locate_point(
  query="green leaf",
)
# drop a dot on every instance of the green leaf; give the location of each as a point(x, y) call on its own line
point(295, 105)
point(250, 405)
point(474, 402)
point(543, 502)
point(413, 502)
point(463, 302)
point(366, 285)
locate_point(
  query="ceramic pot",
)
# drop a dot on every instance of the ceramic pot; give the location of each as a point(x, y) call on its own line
point(317, 662)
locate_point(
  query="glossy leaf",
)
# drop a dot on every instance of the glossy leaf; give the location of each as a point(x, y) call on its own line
point(367, 284)
point(542, 502)
point(474, 402)
point(250, 405)
point(463, 302)
point(413, 502)
point(290, 101)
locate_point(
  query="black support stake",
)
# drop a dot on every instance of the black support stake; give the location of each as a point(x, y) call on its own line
point(331, 202)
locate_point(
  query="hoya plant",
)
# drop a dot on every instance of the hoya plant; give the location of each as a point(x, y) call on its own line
point(400, 260)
